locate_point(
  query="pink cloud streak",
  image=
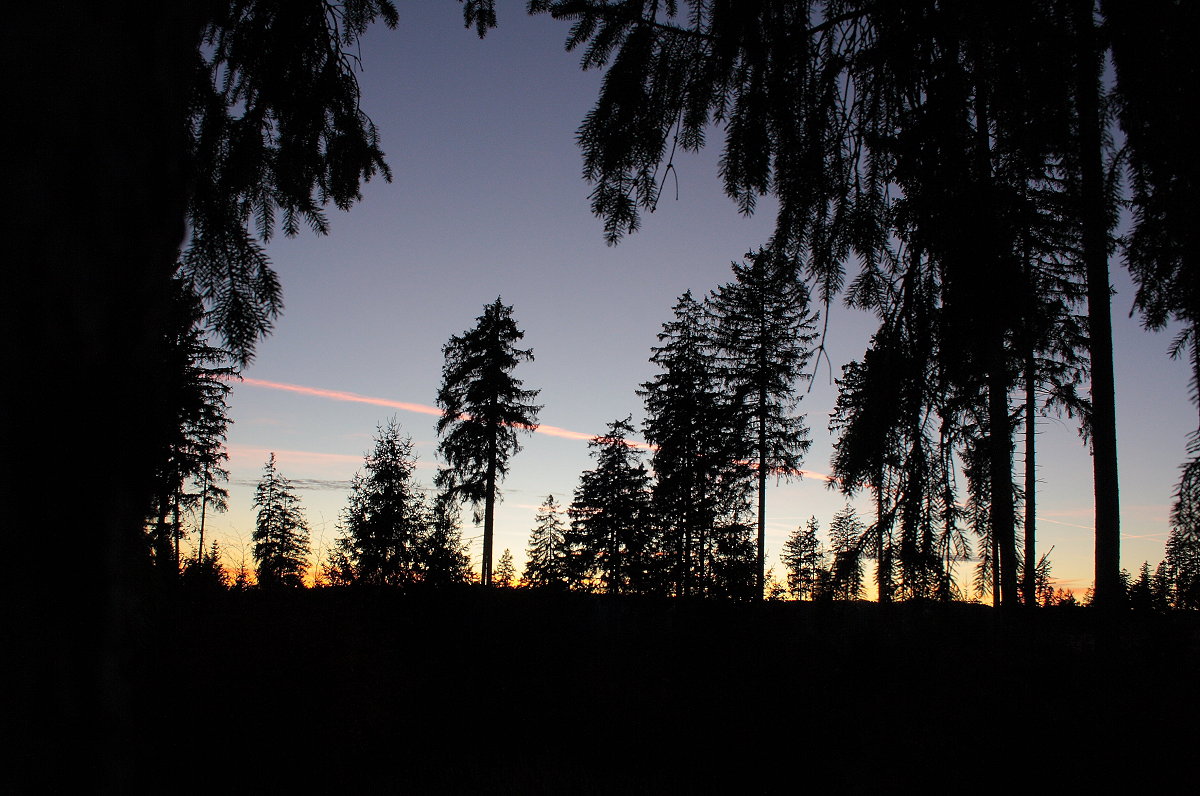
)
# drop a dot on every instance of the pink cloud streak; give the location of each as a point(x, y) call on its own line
point(353, 397)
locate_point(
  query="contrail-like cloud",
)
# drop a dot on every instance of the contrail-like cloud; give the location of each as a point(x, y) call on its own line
point(424, 409)
point(342, 395)
point(353, 397)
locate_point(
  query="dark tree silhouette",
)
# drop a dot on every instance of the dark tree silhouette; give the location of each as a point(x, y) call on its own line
point(804, 559)
point(765, 333)
point(281, 543)
point(506, 571)
point(1182, 560)
point(386, 521)
point(206, 571)
point(610, 535)
point(701, 479)
point(546, 555)
point(483, 407)
point(193, 451)
point(444, 557)
point(844, 579)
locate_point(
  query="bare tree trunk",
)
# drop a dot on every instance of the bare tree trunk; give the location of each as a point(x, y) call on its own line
point(1030, 481)
point(761, 569)
point(203, 508)
point(489, 513)
point(1095, 254)
point(1003, 512)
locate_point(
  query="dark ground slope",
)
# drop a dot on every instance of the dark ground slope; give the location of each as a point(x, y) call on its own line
point(519, 692)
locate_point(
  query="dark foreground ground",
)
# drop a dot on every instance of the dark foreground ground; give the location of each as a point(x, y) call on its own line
point(518, 692)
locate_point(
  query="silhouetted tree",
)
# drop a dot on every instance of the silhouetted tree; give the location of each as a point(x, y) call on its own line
point(483, 406)
point(205, 571)
point(281, 543)
point(1181, 564)
point(610, 536)
point(444, 558)
point(506, 571)
point(845, 577)
point(701, 479)
point(804, 558)
point(190, 467)
point(765, 333)
point(385, 524)
point(546, 555)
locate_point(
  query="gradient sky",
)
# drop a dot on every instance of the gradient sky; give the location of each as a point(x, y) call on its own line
point(487, 200)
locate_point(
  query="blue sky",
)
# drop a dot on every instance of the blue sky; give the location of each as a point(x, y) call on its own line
point(487, 200)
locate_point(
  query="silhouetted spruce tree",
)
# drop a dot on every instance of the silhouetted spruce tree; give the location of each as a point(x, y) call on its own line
point(281, 539)
point(506, 571)
point(190, 469)
point(765, 332)
point(804, 559)
point(701, 483)
point(386, 521)
point(546, 556)
point(845, 576)
point(1181, 563)
point(610, 537)
point(444, 558)
point(483, 406)
point(205, 570)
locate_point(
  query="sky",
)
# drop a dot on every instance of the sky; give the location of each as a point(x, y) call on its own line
point(488, 200)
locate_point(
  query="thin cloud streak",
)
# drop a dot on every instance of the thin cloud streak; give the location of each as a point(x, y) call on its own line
point(248, 451)
point(353, 397)
point(342, 395)
point(550, 431)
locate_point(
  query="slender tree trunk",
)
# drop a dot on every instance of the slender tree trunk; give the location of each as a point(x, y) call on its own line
point(1003, 512)
point(1030, 479)
point(203, 509)
point(489, 511)
point(761, 570)
point(1108, 591)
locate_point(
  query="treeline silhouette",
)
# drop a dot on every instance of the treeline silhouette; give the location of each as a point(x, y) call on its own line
point(684, 530)
point(961, 155)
